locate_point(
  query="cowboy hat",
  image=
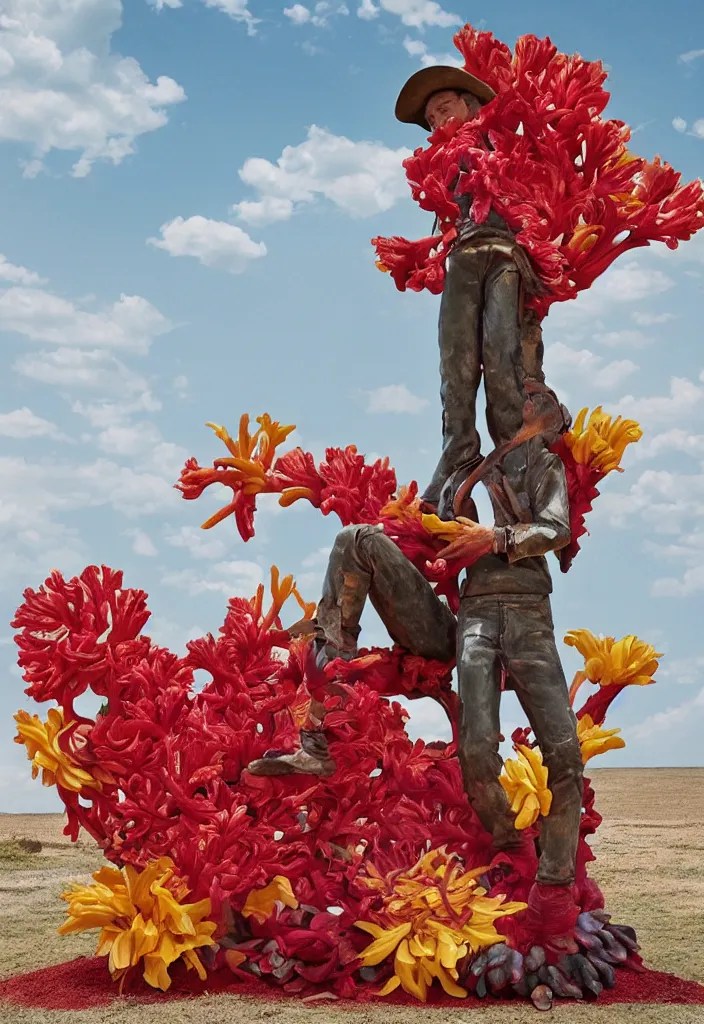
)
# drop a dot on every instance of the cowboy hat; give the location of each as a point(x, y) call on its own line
point(410, 105)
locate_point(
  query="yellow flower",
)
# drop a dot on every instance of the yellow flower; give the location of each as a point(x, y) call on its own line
point(447, 530)
point(42, 742)
point(601, 442)
point(525, 783)
point(141, 917)
point(584, 236)
point(608, 662)
point(434, 915)
point(595, 740)
point(260, 903)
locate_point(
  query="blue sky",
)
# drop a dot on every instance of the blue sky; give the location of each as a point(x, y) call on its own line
point(189, 190)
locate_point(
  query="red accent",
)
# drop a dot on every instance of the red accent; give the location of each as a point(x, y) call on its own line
point(85, 983)
point(562, 172)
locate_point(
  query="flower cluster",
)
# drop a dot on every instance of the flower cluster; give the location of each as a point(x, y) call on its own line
point(542, 156)
point(141, 917)
point(431, 918)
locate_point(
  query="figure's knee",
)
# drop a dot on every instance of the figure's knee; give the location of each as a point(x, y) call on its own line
point(564, 764)
point(355, 539)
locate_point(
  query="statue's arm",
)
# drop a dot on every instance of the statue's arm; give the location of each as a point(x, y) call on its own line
point(550, 528)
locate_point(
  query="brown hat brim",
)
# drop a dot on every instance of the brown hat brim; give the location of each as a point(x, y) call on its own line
point(411, 102)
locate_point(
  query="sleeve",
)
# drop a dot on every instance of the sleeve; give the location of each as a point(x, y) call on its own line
point(550, 528)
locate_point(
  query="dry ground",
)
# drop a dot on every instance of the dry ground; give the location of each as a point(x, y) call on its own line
point(650, 866)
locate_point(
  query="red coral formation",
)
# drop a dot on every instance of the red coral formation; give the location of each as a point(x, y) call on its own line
point(541, 155)
point(174, 764)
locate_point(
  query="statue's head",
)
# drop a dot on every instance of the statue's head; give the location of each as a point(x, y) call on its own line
point(442, 106)
point(434, 95)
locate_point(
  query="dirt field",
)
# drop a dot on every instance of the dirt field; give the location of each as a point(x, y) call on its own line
point(650, 865)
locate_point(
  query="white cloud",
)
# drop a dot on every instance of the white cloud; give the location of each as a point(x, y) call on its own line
point(18, 275)
point(395, 398)
point(568, 365)
point(215, 243)
point(690, 55)
point(92, 369)
point(180, 385)
point(130, 323)
point(142, 543)
point(663, 721)
point(61, 88)
point(264, 211)
point(679, 124)
point(415, 13)
point(23, 423)
point(367, 10)
point(237, 10)
point(684, 671)
point(233, 579)
point(626, 338)
point(685, 397)
point(107, 414)
point(417, 48)
point(649, 319)
point(298, 14)
point(198, 543)
point(674, 440)
point(361, 178)
point(620, 284)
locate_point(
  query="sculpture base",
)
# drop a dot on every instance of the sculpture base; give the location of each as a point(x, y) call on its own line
point(85, 983)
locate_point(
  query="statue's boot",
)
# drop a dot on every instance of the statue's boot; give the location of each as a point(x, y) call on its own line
point(313, 756)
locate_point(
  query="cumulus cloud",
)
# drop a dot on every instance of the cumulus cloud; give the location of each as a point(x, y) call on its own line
point(214, 243)
point(565, 365)
point(395, 398)
point(61, 87)
point(142, 544)
point(18, 275)
point(130, 323)
point(360, 178)
point(89, 369)
point(417, 48)
point(21, 423)
point(233, 579)
point(413, 13)
point(198, 543)
point(690, 56)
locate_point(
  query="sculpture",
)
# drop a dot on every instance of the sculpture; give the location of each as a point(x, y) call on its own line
point(368, 834)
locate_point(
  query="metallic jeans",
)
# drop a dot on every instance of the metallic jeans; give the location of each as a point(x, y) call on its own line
point(479, 331)
point(493, 635)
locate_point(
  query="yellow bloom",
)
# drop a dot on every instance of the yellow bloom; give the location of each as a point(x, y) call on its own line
point(434, 915)
point(141, 917)
point(584, 236)
point(445, 530)
point(525, 783)
point(42, 742)
point(600, 442)
point(595, 740)
point(608, 662)
point(260, 903)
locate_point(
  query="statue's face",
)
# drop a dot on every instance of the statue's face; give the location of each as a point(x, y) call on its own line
point(444, 105)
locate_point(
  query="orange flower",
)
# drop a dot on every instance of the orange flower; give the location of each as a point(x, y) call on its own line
point(405, 507)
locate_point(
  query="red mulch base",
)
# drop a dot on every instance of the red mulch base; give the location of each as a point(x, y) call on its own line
point(84, 983)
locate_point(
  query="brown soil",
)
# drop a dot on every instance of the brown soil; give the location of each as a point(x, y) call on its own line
point(650, 865)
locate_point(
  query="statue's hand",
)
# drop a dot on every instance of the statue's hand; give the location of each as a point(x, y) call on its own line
point(467, 540)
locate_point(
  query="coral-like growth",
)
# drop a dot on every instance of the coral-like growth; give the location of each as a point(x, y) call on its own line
point(286, 877)
point(542, 156)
